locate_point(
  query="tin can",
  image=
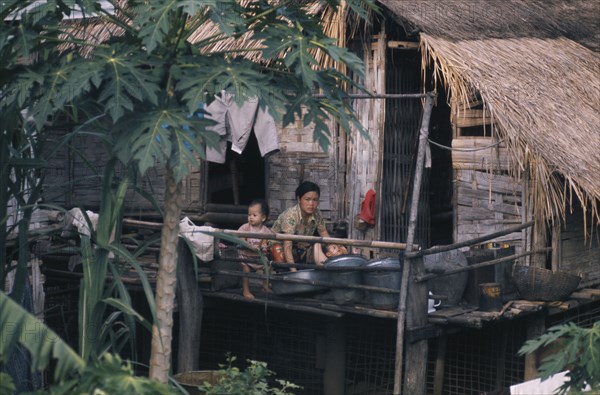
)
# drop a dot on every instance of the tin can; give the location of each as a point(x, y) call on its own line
point(490, 297)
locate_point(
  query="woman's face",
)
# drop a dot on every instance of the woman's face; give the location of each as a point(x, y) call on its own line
point(309, 202)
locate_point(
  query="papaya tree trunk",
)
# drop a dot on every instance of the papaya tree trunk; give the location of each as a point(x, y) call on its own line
point(166, 281)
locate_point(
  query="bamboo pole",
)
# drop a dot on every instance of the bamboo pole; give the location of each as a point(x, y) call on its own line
point(408, 268)
point(314, 239)
point(380, 96)
point(272, 303)
point(489, 236)
point(283, 236)
point(480, 265)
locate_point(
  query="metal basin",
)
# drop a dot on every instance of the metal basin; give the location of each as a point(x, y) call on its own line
point(282, 287)
point(346, 277)
point(384, 279)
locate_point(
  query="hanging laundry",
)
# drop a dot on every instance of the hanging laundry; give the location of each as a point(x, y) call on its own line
point(234, 123)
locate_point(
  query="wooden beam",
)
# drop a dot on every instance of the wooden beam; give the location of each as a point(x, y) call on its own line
point(556, 246)
point(539, 242)
point(403, 44)
point(536, 326)
point(416, 358)
point(282, 305)
point(428, 277)
point(191, 306)
point(335, 357)
point(440, 363)
point(283, 236)
point(466, 243)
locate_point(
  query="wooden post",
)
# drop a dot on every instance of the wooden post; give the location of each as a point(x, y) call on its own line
point(379, 66)
point(440, 364)
point(235, 187)
point(556, 245)
point(536, 326)
point(501, 357)
point(539, 242)
point(335, 357)
point(190, 304)
point(416, 356)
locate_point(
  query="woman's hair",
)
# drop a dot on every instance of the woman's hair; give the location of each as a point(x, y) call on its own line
point(264, 206)
point(306, 187)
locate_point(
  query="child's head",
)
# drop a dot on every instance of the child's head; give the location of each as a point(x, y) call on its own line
point(258, 212)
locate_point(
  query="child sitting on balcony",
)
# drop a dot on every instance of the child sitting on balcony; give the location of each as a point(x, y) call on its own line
point(258, 213)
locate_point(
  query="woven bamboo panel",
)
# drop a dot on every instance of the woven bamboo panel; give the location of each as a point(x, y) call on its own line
point(485, 203)
point(74, 178)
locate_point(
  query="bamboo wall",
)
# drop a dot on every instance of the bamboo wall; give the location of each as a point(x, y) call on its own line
point(363, 157)
point(576, 253)
point(486, 197)
point(301, 159)
point(74, 178)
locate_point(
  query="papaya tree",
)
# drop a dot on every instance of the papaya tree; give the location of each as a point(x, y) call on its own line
point(149, 75)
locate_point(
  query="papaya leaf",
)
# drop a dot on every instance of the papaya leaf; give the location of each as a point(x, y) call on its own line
point(17, 324)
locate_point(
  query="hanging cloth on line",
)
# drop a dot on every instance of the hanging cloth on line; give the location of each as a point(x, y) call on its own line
point(235, 122)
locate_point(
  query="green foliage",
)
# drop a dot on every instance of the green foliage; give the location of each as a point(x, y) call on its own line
point(145, 85)
point(109, 374)
point(579, 354)
point(17, 325)
point(7, 386)
point(251, 381)
point(150, 79)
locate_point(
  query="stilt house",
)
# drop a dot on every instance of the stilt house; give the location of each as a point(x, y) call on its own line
point(513, 138)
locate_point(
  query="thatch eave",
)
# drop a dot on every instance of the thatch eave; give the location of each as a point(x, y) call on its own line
point(544, 97)
point(577, 20)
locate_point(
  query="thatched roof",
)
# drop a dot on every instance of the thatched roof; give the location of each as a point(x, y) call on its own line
point(540, 85)
point(463, 20)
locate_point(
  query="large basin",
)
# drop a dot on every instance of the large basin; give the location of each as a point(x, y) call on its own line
point(346, 277)
point(384, 279)
point(280, 286)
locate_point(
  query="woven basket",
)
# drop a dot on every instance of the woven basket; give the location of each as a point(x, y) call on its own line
point(536, 283)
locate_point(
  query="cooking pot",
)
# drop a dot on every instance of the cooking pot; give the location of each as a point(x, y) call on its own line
point(384, 279)
point(346, 277)
point(282, 287)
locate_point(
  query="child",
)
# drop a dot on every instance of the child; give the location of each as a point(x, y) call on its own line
point(258, 212)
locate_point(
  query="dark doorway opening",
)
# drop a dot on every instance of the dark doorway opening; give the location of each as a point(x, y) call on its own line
point(240, 179)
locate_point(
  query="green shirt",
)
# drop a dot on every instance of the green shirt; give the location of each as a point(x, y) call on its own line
point(290, 222)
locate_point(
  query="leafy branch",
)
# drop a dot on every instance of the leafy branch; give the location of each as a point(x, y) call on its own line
point(579, 353)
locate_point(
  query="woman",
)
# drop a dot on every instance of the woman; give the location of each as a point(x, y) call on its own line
point(304, 219)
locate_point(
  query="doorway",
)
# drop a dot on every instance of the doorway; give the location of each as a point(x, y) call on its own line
point(240, 179)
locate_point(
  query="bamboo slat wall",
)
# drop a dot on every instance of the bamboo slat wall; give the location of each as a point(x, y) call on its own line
point(74, 178)
point(364, 157)
point(485, 203)
point(579, 255)
point(486, 197)
point(471, 153)
point(301, 159)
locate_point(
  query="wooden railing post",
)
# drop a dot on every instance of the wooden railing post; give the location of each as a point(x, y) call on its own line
point(414, 293)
